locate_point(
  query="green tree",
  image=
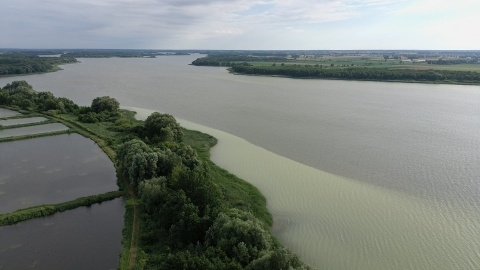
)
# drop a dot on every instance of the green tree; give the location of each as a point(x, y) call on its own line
point(197, 186)
point(18, 86)
point(162, 127)
point(240, 235)
point(106, 103)
point(280, 259)
point(166, 161)
point(187, 155)
point(130, 158)
point(143, 166)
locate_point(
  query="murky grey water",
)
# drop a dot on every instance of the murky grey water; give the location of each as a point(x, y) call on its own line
point(395, 184)
point(83, 238)
point(6, 112)
point(52, 169)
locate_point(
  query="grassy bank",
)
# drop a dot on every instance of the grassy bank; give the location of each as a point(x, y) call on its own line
point(50, 209)
point(127, 235)
point(238, 193)
point(105, 134)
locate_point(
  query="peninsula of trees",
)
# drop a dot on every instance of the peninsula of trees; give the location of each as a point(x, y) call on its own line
point(191, 214)
point(19, 63)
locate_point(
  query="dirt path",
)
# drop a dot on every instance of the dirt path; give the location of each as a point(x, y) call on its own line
point(132, 258)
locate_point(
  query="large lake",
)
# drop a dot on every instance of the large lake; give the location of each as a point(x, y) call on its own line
point(365, 175)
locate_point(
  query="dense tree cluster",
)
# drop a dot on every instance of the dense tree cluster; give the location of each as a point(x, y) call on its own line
point(101, 104)
point(471, 60)
point(102, 109)
point(361, 73)
point(186, 224)
point(162, 127)
point(12, 64)
point(138, 161)
point(20, 94)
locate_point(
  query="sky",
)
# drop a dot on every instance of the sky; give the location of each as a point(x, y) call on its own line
point(241, 24)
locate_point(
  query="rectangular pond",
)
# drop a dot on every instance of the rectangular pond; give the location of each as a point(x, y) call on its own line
point(32, 130)
point(22, 121)
point(51, 170)
point(7, 113)
point(83, 238)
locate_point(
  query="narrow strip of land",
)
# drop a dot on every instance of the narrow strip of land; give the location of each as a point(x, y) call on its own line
point(135, 231)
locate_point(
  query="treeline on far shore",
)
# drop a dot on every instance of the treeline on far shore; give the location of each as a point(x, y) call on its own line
point(17, 64)
point(360, 73)
point(243, 64)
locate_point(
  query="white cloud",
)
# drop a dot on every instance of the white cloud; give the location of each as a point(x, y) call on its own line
point(295, 30)
point(435, 6)
point(206, 23)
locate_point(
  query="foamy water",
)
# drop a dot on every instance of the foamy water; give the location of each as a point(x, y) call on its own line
point(337, 223)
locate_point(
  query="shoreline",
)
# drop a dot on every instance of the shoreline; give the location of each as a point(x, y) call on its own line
point(354, 80)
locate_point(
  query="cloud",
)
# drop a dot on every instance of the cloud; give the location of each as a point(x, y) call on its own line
point(435, 6)
point(206, 23)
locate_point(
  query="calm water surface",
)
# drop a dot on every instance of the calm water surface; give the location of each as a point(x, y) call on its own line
point(52, 169)
point(358, 175)
point(31, 130)
point(83, 238)
point(7, 113)
point(21, 121)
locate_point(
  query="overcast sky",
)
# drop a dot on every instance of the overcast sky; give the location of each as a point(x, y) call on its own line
point(241, 24)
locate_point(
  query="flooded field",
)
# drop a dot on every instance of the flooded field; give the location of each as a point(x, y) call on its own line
point(83, 238)
point(7, 113)
point(52, 169)
point(32, 130)
point(21, 121)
